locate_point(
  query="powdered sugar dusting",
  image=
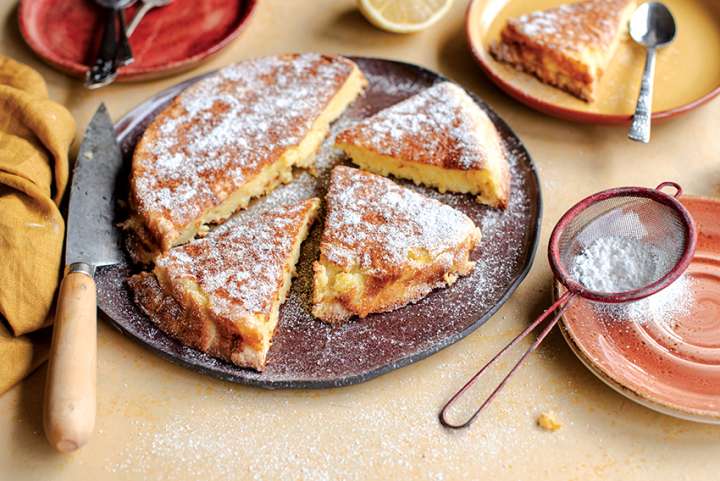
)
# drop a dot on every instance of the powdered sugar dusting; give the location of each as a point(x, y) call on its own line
point(619, 264)
point(227, 432)
point(307, 352)
point(440, 126)
point(573, 26)
point(240, 265)
point(665, 306)
point(375, 223)
point(662, 308)
point(225, 128)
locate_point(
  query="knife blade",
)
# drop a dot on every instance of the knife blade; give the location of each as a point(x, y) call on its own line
point(92, 240)
point(92, 237)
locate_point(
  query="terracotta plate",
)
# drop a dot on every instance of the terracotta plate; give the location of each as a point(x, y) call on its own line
point(66, 33)
point(688, 71)
point(308, 353)
point(670, 365)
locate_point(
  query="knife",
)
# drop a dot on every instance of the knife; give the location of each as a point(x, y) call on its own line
point(92, 241)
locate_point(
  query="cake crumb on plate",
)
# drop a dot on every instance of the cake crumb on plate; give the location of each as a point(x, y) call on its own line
point(548, 421)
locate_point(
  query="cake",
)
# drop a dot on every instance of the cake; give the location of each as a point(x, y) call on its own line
point(569, 46)
point(230, 137)
point(384, 246)
point(440, 138)
point(221, 294)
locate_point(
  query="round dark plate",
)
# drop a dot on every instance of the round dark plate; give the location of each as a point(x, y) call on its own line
point(307, 353)
point(170, 39)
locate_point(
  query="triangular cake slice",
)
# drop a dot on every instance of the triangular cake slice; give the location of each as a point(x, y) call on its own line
point(440, 138)
point(221, 294)
point(569, 46)
point(231, 137)
point(384, 246)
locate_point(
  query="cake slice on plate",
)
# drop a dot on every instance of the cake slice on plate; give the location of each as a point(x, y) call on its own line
point(384, 246)
point(440, 138)
point(569, 46)
point(221, 294)
point(231, 137)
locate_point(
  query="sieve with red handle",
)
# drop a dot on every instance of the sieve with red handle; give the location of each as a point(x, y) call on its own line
point(648, 217)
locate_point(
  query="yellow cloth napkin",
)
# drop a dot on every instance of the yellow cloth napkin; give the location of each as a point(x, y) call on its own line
point(35, 135)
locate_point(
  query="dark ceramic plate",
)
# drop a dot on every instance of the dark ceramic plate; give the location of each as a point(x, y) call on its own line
point(309, 354)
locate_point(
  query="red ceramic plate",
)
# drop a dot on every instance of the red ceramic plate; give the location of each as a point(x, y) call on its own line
point(673, 365)
point(688, 70)
point(66, 33)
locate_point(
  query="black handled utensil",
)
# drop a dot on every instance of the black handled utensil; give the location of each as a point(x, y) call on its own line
point(114, 47)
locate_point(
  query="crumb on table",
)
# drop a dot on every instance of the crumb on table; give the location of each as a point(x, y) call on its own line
point(548, 421)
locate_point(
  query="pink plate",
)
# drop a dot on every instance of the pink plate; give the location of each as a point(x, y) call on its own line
point(66, 33)
point(674, 366)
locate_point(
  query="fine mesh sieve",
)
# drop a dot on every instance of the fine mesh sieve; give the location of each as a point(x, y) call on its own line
point(649, 216)
point(655, 224)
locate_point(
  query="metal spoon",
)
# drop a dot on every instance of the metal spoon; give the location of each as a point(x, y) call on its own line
point(652, 26)
point(147, 5)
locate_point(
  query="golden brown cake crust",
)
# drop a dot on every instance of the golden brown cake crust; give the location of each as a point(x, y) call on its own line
point(221, 132)
point(442, 127)
point(219, 294)
point(579, 38)
point(403, 244)
point(373, 222)
point(240, 265)
point(432, 127)
point(185, 325)
point(572, 27)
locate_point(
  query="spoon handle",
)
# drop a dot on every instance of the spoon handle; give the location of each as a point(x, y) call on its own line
point(640, 128)
point(145, 8)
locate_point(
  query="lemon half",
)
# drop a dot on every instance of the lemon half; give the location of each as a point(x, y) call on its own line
point(403, 16)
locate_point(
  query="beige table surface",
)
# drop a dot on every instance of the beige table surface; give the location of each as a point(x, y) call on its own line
point(159, 421)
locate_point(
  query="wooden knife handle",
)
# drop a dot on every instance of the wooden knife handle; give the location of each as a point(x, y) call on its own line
point(69, 415)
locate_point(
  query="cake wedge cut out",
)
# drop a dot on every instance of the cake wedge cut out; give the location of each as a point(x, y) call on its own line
point(570, 46)
point(221, 294)
point(384, 246)
point(230, 137)
point(440, 138)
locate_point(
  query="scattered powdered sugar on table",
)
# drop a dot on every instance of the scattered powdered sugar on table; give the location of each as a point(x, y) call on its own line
point(619, 264)
point(231, 432)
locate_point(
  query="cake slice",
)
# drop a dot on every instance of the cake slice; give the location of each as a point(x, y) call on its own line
point(221, 294)
point(569, 46)
point(384, 246)
point(440, 138)
point(231, 137)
